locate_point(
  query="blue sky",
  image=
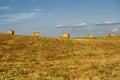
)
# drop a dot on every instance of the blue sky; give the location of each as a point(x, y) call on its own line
point(55, 17)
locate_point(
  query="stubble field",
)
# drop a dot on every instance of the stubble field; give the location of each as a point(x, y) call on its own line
point(30, 58)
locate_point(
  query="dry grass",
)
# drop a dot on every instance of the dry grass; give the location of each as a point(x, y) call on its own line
point(30, 58)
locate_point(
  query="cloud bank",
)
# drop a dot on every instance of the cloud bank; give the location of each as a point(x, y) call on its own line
point(72, 26)
point(13, 17)
point(17, 16)
point(107, 23)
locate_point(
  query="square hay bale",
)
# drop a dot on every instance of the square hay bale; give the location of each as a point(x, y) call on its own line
point(36, 34)
point(11, 32)
point(65, 36)
point(90, 36)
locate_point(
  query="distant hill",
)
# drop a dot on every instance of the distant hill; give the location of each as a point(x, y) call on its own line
point(32, 58)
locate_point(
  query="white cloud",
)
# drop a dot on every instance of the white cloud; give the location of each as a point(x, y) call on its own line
point(18, 16)
point(63, 26)
point(80, 25)
point(60, 26)
point(4, 8)
point(72, 26)
point(37, 10)
point(108, 23)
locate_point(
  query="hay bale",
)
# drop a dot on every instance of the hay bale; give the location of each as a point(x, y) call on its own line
point(11, 32)
point(90, 36)
point(110, 35)
point(65, 36)
point(36, 34)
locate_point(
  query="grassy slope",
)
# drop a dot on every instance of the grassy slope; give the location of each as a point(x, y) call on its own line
point(29, 58)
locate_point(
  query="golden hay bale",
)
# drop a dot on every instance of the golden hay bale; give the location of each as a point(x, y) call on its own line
point(111, 35)
point(36, 34)
point(90, 36)
point(11, 32)
point(65, 36)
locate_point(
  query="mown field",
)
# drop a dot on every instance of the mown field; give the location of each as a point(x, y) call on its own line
point(30, 58)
